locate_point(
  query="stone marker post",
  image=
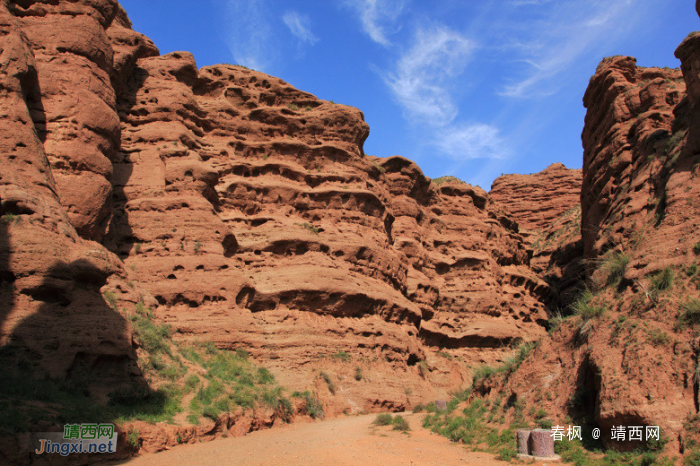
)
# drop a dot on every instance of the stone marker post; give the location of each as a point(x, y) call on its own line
point(523, 438)
point(541, 443)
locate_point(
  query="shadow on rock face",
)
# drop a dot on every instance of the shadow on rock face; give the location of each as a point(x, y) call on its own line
point(70, 361)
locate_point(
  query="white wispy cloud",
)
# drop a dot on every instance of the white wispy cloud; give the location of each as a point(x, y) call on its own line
point(469, 141)
point(566, 32)
point(424, 74)
point(300, 26)
point(378, 17)
point(250, 36)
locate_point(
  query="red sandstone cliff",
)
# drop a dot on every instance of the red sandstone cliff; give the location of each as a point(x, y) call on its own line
point(628, 354)
point(547, 208)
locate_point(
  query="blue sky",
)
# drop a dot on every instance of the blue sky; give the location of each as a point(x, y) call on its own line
point(469, 88)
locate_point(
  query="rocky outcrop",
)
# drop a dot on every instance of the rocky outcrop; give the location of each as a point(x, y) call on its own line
point(536, 201)
point(251, 212)
point(546, 206)
point(628, 355)
point(55, 190)
point(631, 145)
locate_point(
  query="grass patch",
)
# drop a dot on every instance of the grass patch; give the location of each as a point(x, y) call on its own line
point(329, 382)
point(341, 356)
point(446, 179)
point(614, 266)
point(111, 299)
point(690, 313)
point(658, 337)
point(309, 227)
point(313, 406)
point(585, 309)
point(663, 280)
point(398, 422)
point(508, 367)
point(383, 419)
point(152, 337)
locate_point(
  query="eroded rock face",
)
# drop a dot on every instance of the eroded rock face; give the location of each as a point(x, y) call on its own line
point(52, 312)
point(251, 212)
point(546, 206)
point(536, 201)
point(633, 364)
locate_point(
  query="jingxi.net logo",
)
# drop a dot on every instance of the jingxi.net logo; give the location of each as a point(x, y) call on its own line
point(77, 438)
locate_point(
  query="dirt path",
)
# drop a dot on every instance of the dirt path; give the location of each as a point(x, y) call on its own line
point(347, 441)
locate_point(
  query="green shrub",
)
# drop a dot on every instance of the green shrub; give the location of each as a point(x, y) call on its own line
point(133, 438)
point(293, 107)
point(9, 218)
point(111, 299)
point(690, 314)
point(693, 459)
point(383, 419)
point(658, 337)
point(342, 356)
point(358, 373)
point(696, 248)
point(309, 227)
point(313, 406)
point(400, 424)
point(507, 454)
point(482, 372)
point(585, 309)
point(153, 338)
point(445, 179)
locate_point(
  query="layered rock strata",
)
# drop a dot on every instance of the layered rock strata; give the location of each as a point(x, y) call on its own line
point(629, 354)
point(546, 206)
point(252, 213)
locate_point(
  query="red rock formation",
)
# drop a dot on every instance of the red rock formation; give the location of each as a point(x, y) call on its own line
point(251, 212)
point(546, 206)
point(536, 201)
point(634, 364)
point(51, 304)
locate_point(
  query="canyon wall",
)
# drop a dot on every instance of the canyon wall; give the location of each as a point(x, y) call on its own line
point(628, 354)
point(547, 208)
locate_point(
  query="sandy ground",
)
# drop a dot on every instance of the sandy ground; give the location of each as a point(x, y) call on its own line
point(347, 441)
